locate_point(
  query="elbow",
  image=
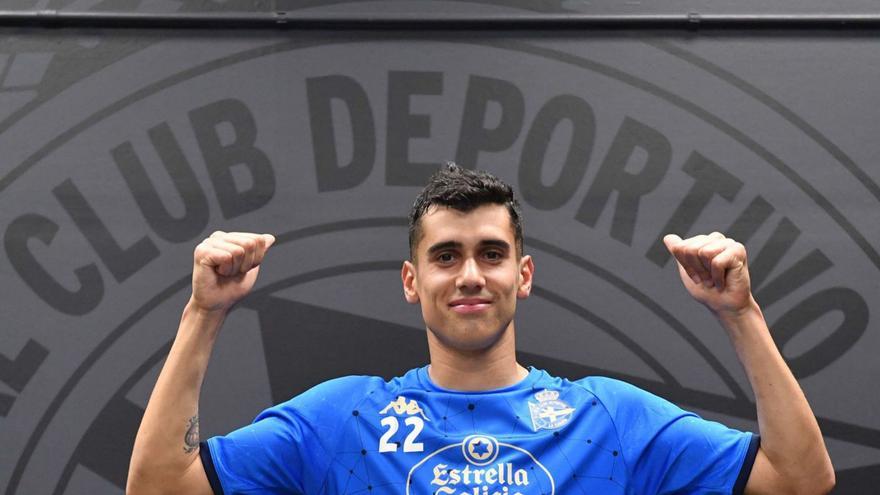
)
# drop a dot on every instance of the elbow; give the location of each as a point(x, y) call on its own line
point(815, 477)
point(821, 482)
point(828, 481)
point(820, 486)
point(138, 484)
point(143, 480)
point(133, 487)
point(133, 483)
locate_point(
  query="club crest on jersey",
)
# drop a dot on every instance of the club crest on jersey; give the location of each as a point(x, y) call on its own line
point(401, 405)
point(549, 413)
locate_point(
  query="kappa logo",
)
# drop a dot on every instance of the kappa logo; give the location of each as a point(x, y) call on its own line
point(549, 413)
point(402, 406)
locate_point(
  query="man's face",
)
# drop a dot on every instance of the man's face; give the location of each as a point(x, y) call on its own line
point(466, 275)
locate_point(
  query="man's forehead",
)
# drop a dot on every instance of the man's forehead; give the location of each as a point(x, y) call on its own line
point(490, 220)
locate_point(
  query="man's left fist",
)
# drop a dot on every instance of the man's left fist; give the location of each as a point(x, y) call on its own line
point(714, 270)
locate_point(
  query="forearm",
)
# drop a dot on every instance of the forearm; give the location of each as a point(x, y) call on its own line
point(167, 440)
point(790, 435)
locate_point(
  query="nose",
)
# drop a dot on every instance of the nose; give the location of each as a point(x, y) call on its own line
point(470, 276)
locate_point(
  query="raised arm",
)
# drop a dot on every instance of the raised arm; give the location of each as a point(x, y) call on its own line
point(165, 458)
point(792, 457)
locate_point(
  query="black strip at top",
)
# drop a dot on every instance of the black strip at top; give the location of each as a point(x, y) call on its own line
point(415, 21)
point(208, 463)
point(739, 487)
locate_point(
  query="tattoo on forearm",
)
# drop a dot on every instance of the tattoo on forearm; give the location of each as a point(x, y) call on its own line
point(191, 438)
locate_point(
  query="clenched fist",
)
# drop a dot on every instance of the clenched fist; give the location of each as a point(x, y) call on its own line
point(714, 270)
point(225, 267)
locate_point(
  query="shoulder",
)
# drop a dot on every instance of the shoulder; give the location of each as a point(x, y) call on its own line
point(611, 388)
point(329, 398)
point(620, 397)
point(342, 388)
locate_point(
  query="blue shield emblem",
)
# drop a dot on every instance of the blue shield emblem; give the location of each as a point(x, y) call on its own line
point(549, 413)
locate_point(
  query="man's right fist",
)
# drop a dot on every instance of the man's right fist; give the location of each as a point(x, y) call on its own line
point(225, 267)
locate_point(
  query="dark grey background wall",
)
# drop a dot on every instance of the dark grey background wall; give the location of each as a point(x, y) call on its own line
point(121, 149)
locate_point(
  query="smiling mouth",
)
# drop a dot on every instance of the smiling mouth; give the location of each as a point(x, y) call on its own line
point(470, 306)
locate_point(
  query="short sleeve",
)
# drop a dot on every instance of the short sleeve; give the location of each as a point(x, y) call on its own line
point(285, 450)
point(669, 450)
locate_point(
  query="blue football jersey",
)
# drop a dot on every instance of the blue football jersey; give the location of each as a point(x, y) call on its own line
point(544, 435)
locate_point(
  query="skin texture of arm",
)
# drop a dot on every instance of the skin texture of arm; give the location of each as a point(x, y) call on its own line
point(792, 458)
point(166, 458)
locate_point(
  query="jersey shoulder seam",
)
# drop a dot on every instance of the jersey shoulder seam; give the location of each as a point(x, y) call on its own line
point(613, 424)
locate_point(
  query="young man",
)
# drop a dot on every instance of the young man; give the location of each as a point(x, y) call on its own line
point(476, 422)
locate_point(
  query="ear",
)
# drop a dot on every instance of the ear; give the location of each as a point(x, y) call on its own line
point(526, 277)
point(408, 277)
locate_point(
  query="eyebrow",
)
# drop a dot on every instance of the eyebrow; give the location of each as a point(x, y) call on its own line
point(441, 246)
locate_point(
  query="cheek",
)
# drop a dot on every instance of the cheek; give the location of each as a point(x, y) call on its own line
point(432, 292)
point(509, 281)
point(438, 282)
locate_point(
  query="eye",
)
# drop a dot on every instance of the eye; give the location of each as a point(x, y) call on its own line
point(446, 257)
point(494, 255)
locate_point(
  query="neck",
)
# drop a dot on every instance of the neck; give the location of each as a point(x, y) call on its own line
point(483, 369)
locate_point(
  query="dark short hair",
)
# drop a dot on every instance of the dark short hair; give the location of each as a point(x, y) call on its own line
point(463, 190)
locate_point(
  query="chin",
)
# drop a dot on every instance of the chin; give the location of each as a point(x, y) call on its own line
point(474, 346)
point(468, 339)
